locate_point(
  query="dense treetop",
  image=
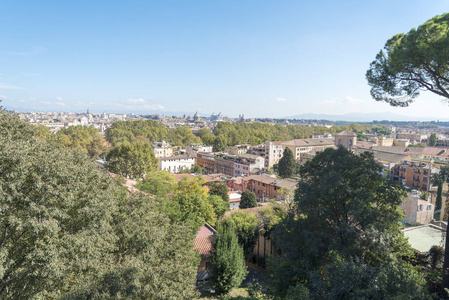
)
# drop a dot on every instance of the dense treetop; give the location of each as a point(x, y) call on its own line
point(412, 62)
point(69, 231)
point(345, 224)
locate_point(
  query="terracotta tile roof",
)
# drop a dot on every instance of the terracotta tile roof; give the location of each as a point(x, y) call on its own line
point(283, 183)
point(179, 177)
point(204, 239)
point(346, 132)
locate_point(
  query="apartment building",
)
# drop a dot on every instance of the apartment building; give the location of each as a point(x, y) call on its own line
point(275, 150)
point(237, 149)
point(411, 135)
point(230, 165)
point(175, 164)
point(413, 175)
point(267, 187)
point(193, 149)
point(162, 149)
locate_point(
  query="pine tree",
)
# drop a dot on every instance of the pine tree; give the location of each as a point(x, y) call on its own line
point(287, 164)
point(227, 263)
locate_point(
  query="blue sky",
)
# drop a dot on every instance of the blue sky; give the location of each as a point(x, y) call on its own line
point(261, 58)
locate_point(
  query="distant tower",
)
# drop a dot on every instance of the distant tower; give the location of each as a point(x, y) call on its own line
point(89, 116)
point(196, 117)
point(346, 138)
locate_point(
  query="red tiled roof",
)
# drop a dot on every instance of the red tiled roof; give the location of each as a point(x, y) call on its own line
point(204, 239)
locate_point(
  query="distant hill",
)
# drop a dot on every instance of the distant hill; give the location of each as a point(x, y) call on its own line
point(362, 117)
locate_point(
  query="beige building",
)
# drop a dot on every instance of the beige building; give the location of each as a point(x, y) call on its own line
point(346, 138)
point(417, 210)
point(162, 149)
point(237, 149)
point(275, 150)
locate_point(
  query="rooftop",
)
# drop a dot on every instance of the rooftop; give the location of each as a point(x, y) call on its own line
point(422, 238)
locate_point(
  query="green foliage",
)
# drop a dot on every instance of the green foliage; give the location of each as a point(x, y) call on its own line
point(158, 183)
point(412, 62)
point(155, 259)
point(87, 139)
point(132, 159)
point(248, 200)
point(287, 164)
point(68, 231)
point(220, 143)
point(228, 267)
point(219, 188)
point(193, 209)
point(42, 132)
point(149, 131)
point(247, 228)
point(345, 224)
point(433, 140)
point(220, 206)
point(438, 179)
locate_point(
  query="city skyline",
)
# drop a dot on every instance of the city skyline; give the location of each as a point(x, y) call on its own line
point(260, 58)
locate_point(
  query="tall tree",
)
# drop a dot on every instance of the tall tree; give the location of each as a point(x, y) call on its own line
point(247, 228)
point(247, 200)
point(412, 62)
point(132, 159)
point(67, 230)
point(219, 188)
point(346, 217)
point(287, 164)
point(227, 263)
point(433, 140)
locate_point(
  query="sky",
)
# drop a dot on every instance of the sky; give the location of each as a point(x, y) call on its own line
point(259, 58)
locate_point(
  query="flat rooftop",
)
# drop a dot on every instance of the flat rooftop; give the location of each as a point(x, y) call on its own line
point(422, 238)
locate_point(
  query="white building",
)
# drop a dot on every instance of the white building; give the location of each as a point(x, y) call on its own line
point(193, 149)
point(162, 149)
point(174, 164)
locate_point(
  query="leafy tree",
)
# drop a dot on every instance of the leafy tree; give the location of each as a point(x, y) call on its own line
point(191, 208)
point(248, 200)
point(228, 267)
point(42, 132)
point(433, 140)
point(412, 62)
point(219, 188)
point(220, 143)
point(220, 206)
point(132, 159)
point(67, 230)
point(247, 228)
point(86, 138)
point(159, 183)
point(287, 164)
point(196, 169)
point(346, 218)
point(144, 270)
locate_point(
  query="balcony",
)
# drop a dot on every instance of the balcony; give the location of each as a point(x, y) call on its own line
point(416, 180)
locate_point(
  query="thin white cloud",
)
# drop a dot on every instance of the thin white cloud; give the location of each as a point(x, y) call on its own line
point(136, 101)
point(45, 102)
point(3, 97)
point(59, 98)
point(5, 86)
point(279, 99)
point(60, 103)
point(138, 104)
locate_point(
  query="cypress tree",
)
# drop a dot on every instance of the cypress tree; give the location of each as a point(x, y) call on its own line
point(287, 164)
point(227, 263)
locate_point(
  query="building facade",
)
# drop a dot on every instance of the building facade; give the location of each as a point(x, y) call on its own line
point(175, 164)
